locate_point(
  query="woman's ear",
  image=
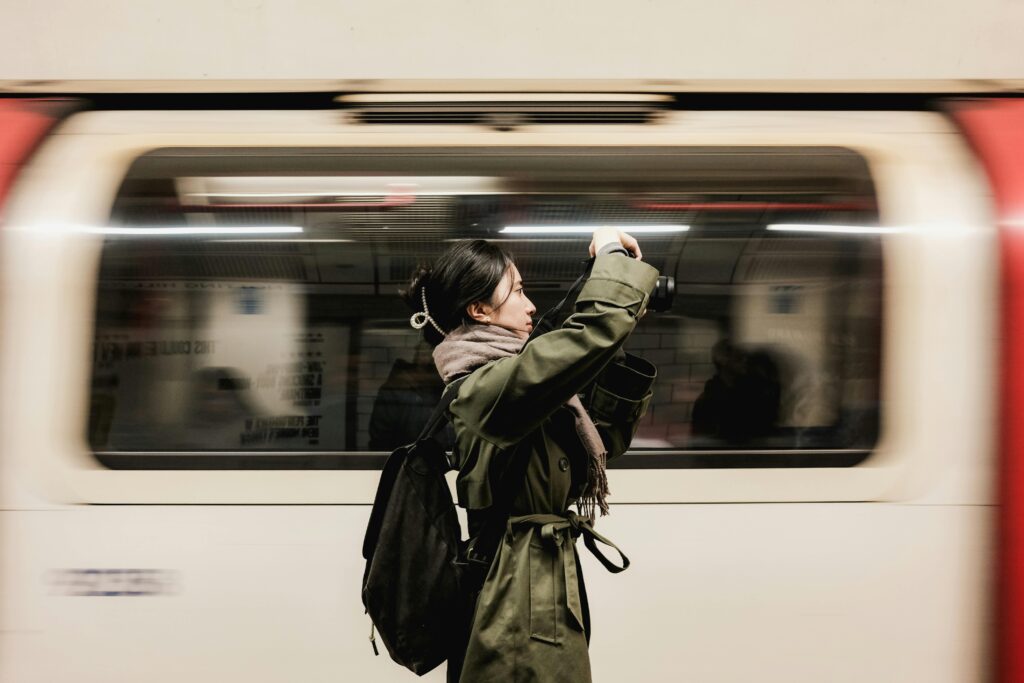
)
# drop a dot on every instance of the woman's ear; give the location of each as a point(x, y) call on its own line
point(479, 311)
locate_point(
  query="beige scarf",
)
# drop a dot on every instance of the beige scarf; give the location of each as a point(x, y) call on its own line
point(468, 347)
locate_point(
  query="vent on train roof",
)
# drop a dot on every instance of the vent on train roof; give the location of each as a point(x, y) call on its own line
point(504, 111)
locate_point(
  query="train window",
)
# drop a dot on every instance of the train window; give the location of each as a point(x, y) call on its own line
point(247, 313)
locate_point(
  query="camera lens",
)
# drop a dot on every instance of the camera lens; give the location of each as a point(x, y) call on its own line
point(664, 292)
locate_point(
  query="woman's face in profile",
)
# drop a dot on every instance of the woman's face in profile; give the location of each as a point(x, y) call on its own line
point(512, 310)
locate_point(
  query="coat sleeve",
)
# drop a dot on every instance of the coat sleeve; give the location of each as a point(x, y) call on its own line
point(618, 399)
point(508, 399)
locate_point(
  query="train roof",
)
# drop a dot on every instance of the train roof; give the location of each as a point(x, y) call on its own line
point(693, 86)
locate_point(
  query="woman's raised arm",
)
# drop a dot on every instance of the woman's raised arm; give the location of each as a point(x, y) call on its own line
point(507, 399)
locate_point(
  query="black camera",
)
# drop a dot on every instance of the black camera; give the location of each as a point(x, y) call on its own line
point(663, 294)
point(659, 302)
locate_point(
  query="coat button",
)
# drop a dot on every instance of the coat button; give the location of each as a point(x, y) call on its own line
point(563, 464)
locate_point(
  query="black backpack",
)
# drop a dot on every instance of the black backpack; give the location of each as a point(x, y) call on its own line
point(411, 581)
point(421, 580)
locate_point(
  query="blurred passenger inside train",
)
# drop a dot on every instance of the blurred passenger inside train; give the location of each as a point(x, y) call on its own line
point(405, 401)
point(741, 400)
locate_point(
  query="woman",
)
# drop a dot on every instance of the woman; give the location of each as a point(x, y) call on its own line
point(531, 621)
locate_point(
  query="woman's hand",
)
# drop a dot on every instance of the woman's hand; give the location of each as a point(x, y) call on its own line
point(605, 236)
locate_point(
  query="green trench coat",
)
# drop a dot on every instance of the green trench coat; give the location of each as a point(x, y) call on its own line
point(531, 621)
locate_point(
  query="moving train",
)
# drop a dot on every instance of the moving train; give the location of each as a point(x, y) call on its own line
point(204, 362)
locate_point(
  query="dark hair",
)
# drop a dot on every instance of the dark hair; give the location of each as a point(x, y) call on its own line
point(468, 272)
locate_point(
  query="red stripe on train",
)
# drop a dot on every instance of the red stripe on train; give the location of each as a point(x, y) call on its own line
point(23, 124)
point(996, 130)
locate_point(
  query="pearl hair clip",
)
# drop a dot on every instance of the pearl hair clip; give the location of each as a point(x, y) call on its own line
point(421, 318)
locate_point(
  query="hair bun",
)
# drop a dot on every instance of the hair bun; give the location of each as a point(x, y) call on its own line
point(411, 294)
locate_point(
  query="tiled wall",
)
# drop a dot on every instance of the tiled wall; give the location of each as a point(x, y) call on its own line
point(681, 349)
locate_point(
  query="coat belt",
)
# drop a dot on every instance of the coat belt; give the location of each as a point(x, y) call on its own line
point(556, 535)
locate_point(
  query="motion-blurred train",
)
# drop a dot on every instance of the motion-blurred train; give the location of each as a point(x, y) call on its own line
point(204, 361)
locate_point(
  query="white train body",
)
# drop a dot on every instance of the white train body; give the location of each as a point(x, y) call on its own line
point(880, 570)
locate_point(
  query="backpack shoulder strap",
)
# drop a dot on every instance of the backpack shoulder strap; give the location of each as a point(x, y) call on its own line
point(394, 463)
point(439, 417)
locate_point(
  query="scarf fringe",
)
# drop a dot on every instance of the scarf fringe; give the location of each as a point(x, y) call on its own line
point(595, 492)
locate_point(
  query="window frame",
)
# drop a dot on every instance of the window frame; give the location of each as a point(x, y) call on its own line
point(161, 163)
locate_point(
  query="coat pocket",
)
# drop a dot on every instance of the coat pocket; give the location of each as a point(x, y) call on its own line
point(543, 594)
